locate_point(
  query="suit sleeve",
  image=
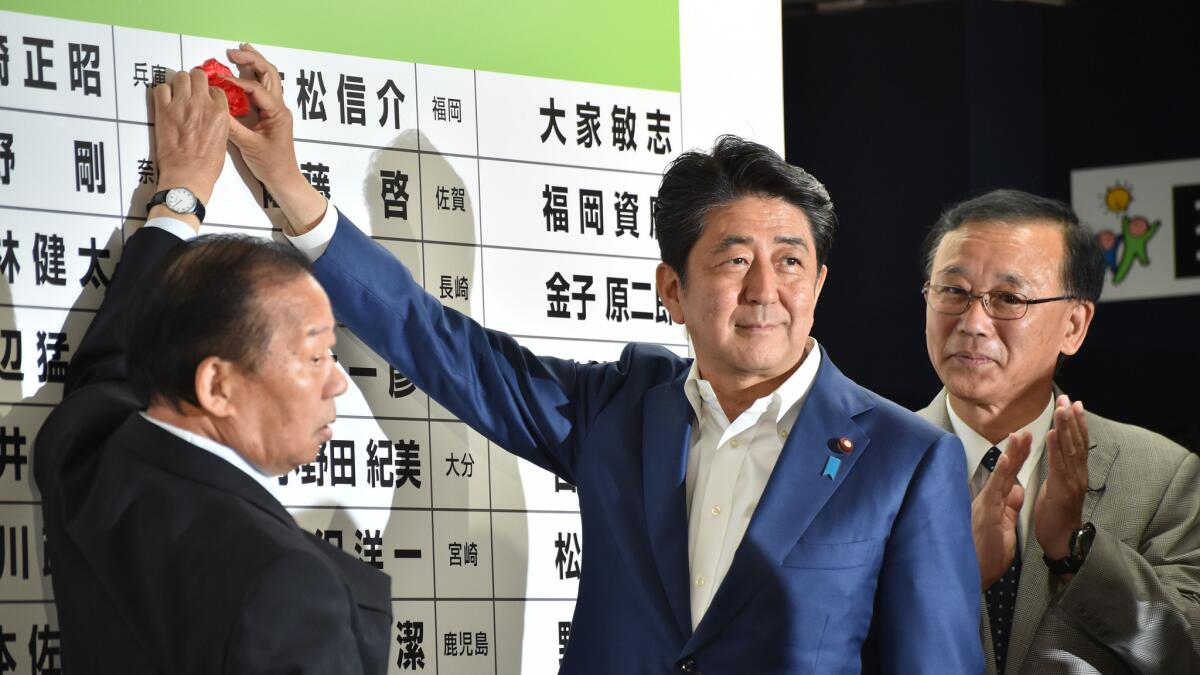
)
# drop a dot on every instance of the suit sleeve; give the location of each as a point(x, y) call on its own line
point(535, 407)
point(297, 619)
point(927, 605)
point(1144, 603)
point(101, 354)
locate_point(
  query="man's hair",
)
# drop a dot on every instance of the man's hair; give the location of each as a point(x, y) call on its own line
point(697, 182)
point(1083, 261)
point(205, 299)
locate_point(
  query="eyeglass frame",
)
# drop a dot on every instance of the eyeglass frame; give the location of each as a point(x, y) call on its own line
point(987, 304)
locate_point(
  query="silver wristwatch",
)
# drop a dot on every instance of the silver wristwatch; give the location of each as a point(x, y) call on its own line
point(180, 200)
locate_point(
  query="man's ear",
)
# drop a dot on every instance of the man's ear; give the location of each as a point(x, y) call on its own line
point(1076, 328)
point(217, 383)
point(670, 290)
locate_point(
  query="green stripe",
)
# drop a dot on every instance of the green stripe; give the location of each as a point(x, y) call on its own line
point(632, 43)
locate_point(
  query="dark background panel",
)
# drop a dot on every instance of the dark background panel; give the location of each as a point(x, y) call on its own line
point(904, 110)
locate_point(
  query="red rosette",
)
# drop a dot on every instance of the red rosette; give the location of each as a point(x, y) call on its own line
point(239, 103)
point(215, 69)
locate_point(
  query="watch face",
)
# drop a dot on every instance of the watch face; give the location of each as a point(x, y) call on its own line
point(180, 200)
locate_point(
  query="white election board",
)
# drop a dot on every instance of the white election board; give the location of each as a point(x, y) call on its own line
point(524, 202)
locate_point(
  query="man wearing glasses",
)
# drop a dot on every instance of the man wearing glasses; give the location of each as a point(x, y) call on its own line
point(1087, 531)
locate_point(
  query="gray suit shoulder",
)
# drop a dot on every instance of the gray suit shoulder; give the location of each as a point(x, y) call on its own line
point(1150, 450)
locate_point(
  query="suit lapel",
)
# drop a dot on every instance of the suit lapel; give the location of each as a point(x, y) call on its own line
point(1033, 590)
point(666, 432)
point(1036, 587)
point(794, 495)
point(936, 413)
point(172, 454)
point(1100, 461)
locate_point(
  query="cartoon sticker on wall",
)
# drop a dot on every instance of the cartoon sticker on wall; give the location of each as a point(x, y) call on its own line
point(1122, 250)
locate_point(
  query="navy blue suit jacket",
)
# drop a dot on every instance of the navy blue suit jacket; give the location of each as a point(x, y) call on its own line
point(873, 570)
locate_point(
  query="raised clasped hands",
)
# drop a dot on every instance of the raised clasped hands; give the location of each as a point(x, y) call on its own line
point(1058, 509)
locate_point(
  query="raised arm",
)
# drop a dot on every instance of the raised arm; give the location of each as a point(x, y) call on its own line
point(538, 408)
point(191, 127)
point(266, 144)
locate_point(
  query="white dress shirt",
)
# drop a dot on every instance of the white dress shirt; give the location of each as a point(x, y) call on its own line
point(977, 446)
point(314, 242)
point(173, 225)
point(223, 451)
point(729, 464)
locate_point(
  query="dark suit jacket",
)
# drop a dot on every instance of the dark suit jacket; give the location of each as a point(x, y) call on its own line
point(166, 558)
point(872, 570)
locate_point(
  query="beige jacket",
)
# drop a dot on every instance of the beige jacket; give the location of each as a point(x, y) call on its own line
point(1134, 607)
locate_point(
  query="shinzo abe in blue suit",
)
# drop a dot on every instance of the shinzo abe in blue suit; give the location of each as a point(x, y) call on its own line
point(749, 511)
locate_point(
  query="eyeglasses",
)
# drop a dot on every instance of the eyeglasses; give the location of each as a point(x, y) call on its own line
point(1004, 305)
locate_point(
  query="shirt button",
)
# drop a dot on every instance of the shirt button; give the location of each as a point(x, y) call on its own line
point(699, 581)
point(783, 433)
point(716, 510)
point(733, 443)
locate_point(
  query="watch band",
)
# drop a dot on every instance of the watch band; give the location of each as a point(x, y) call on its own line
point(160, 197)
point(1077, 550)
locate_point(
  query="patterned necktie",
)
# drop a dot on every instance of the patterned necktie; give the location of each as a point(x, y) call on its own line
point(1002, 596)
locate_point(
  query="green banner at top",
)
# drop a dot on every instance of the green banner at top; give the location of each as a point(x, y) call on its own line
point(631, 43)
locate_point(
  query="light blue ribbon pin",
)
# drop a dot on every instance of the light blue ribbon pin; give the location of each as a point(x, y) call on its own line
point(831, 468)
